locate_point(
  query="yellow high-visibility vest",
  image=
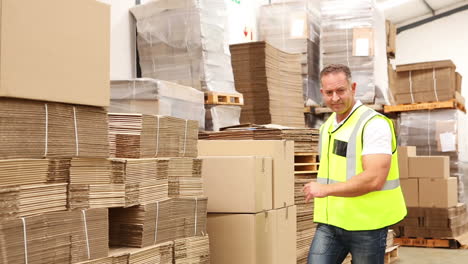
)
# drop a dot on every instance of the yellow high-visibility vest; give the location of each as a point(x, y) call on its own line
point(340, 159)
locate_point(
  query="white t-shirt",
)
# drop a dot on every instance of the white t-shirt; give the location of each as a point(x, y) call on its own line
point(377, 137)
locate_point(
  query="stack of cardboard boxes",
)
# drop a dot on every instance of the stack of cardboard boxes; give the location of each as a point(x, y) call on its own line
point(431, 197)
point(250, 184)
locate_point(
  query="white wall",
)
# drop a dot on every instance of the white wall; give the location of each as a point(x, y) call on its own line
point(442, 39)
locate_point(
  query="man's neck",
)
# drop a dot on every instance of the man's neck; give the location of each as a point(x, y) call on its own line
point(341, 117)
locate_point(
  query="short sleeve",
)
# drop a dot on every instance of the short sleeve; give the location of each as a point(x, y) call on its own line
point(377, 138)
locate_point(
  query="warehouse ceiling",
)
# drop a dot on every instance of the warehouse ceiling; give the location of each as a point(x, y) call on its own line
point(407, 12)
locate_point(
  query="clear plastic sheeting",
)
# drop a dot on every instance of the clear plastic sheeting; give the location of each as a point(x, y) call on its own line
point(218, 116)
point(436, 133)
point(156, 97)
point(185, 41)
point(353, 33)
point(294, 27)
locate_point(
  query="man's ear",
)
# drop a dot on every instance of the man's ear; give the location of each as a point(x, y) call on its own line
point(353, 87)
point(321, 91)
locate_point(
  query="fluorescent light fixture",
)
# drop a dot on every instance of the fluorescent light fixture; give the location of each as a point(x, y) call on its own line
point(392, 3)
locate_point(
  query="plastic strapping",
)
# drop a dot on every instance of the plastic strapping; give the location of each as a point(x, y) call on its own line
point(76, 133)
point(157, 137)
point(86, 233)
point(46, 148)
point(151, 48)
point(435, 84)
point(196, 215)
point(25, 238)
point(347, 46)
point(429, 131)
point(156, 225)
point(411, 86)
point(185, 137)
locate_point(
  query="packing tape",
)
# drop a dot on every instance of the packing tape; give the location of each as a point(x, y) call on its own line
point(435, 84)
point(156, 225)
point(25, 238)
point(46, 130)
point(83, 212)
point(76, 132)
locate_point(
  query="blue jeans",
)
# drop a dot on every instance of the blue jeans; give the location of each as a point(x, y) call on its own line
point(332, 244)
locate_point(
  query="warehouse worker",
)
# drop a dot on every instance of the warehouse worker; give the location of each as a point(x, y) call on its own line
point(357, 194)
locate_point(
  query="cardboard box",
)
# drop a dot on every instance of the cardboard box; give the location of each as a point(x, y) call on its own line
point(458, 81)
point(267, 237)
point(391, 37)
point(439, 193)
point(281, 151)
point(429, 167)
point(403, 153)
point(242, 184)
point(410, 192)
point(446, 135)
point(56, 51)
point(425, 82)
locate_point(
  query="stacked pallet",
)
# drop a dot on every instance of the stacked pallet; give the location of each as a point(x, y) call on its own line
point(270, 81)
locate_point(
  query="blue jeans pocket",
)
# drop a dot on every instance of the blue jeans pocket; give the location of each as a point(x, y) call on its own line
point(323, 240)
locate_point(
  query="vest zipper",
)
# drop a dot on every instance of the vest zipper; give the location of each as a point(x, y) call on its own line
point(328, 170)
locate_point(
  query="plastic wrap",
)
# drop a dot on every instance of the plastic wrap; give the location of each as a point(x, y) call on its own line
point(353, 33)
point(436, 133)
point(222, 116)
point(185, 41)
point(156, 97)
point(294, 27)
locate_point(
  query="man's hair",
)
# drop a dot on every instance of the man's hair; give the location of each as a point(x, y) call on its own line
point(336, 68)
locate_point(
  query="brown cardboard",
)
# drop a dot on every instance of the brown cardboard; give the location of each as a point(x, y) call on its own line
point(429, 167)
point(242, 184)
point(403, 153)
point(267, 237)
point(410, 192)
point(281, 151)
point(391, 37)
point(439, 193)
point(458, 81)
point(55, 50)
point(363, 33)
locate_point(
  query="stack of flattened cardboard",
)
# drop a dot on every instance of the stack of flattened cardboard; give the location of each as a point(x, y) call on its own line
point(434, 222)
point(192, 212)
point(35, 129)
point(426, 82)
point(160, 253)
point(24, 189)
point(143, 225)
point(142, 182)
point(306, 227)
point(156, 97)
point(184, 175)
point(59, 171)
point(92, 185)
point(192, 250)
point(305, 140)
point(271, 83)
point(90, 234)
point(146, 136)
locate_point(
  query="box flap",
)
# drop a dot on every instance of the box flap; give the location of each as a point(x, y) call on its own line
point(425, 65)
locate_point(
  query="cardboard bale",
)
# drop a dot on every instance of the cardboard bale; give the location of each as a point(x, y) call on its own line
point(192, 250)
point(37, 72)
point(404, 152)
point(429, 167)
point(439, 193)
point(267, 237)
point(161, 253)
point(283, 161)
point(410, 190)
point(249, 179)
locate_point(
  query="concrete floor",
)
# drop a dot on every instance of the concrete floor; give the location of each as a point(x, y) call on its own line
point(414, 255)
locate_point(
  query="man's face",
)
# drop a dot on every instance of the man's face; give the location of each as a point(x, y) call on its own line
point(337, 93)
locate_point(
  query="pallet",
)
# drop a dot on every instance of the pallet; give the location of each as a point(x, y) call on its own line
point(427, 242)
point(391, 254)
point(325, 110)
point(305, 164)
point(216, 98)
point(450, 104)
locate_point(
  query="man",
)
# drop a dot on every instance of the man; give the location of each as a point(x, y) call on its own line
point(357, 192)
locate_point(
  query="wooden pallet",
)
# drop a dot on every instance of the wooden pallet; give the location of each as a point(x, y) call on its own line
point(450, 104)
point(391, 254)
point(427, 242)
point(216, 98)
point(305, 163)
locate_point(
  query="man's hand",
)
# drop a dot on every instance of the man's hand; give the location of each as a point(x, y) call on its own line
point(313, 189)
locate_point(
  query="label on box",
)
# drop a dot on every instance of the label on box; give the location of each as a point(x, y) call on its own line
point(362, 47)
point(447, 142)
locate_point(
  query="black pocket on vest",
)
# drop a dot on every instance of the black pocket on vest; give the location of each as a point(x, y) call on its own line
point(340, 147)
